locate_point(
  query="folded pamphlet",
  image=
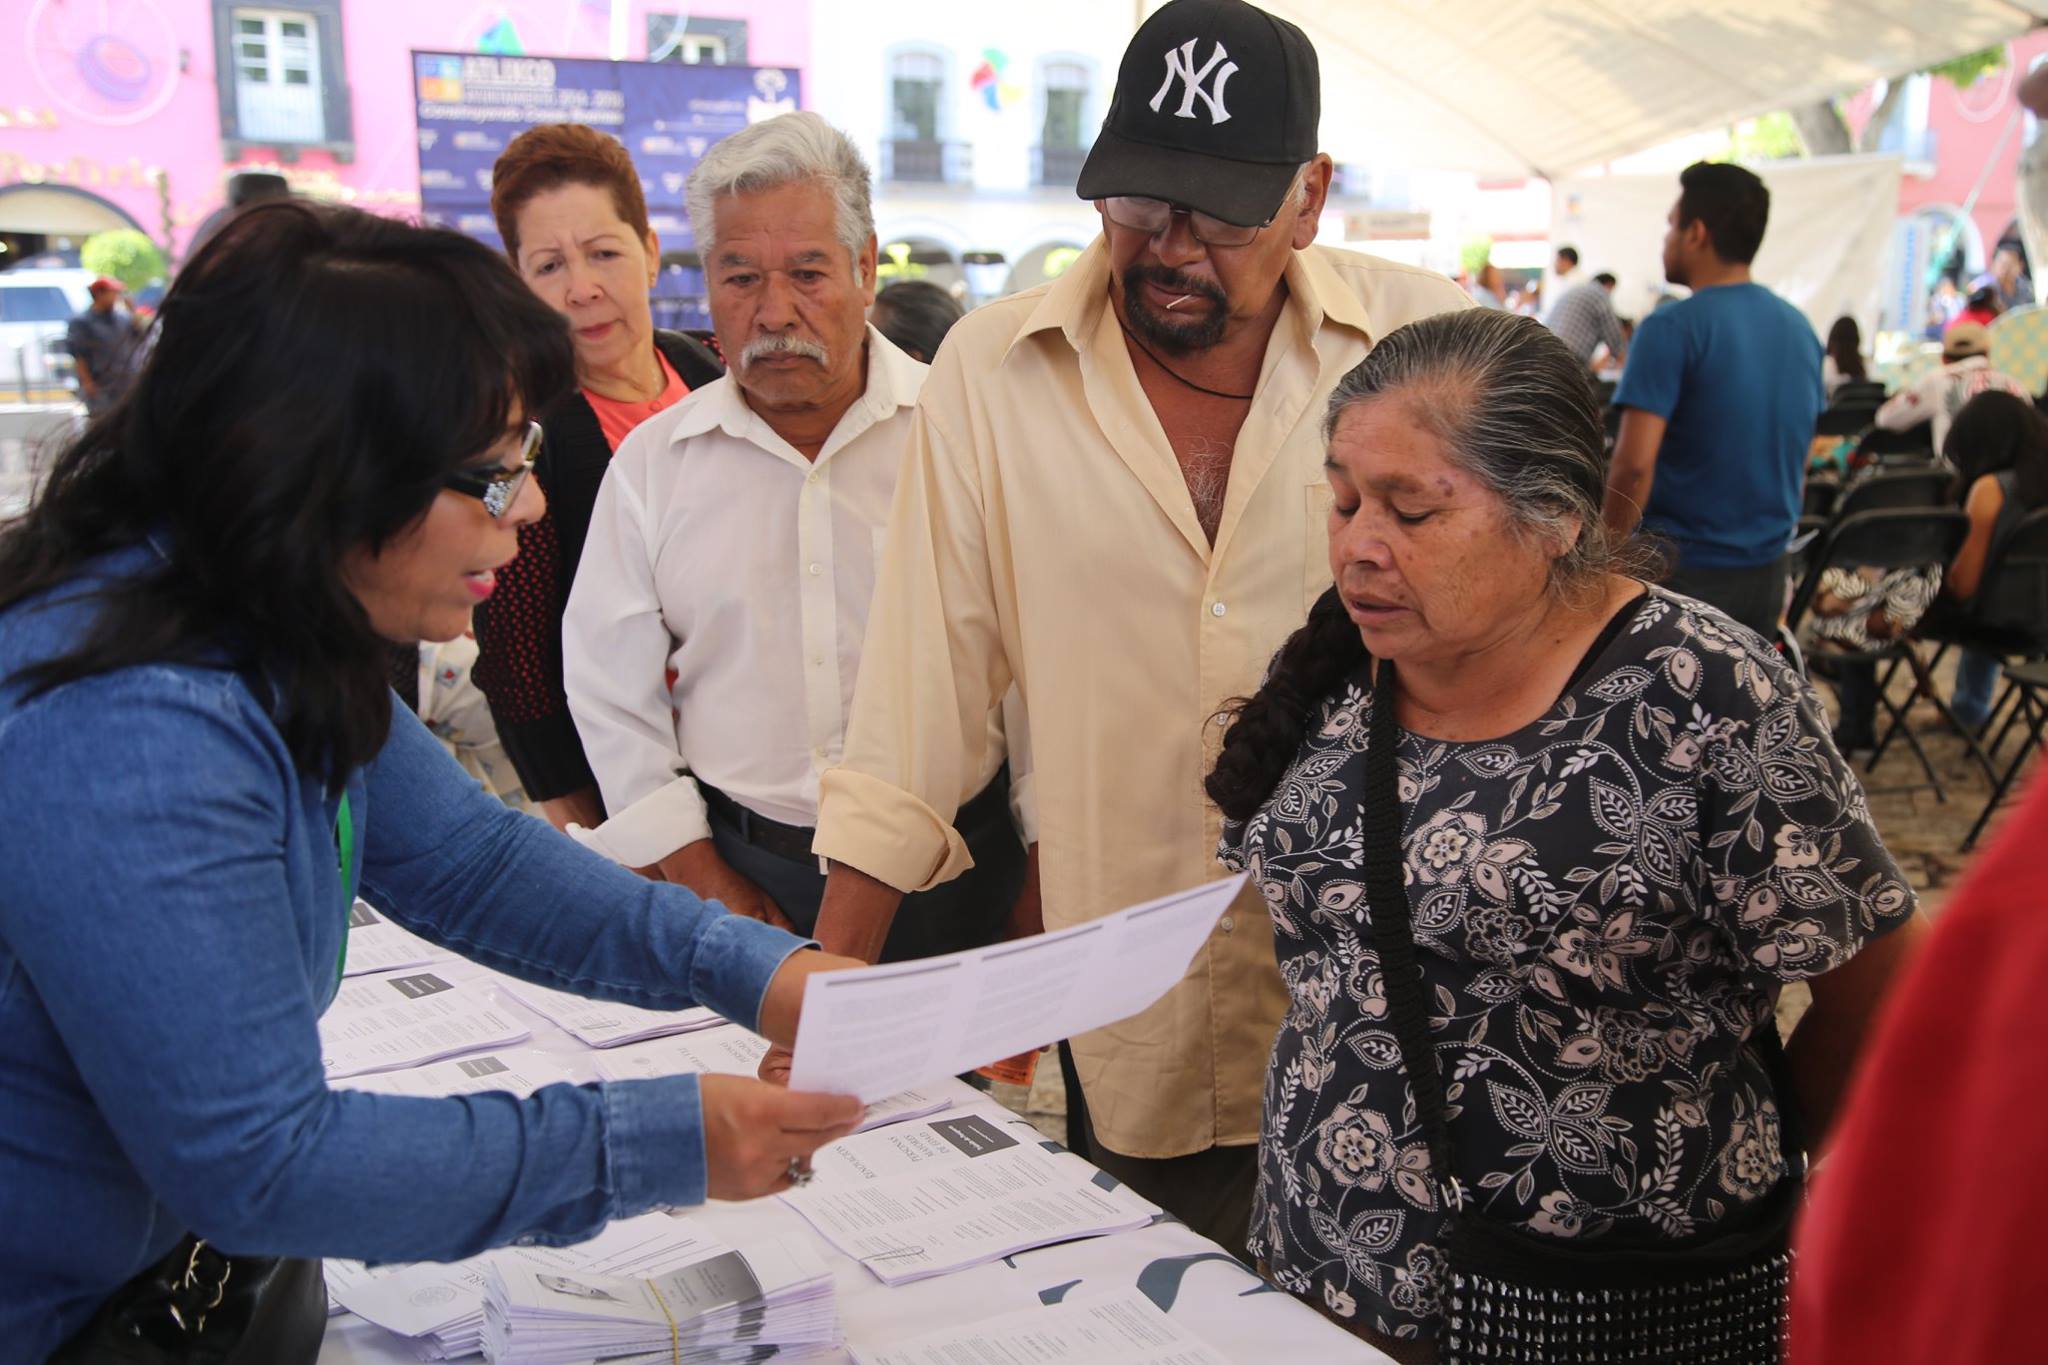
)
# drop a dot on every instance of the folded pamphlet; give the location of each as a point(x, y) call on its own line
point(1118, 1329)
point(375, 944)
point(602, 1023)
point(875, 1031)
point(925, 1198)
point(401, 1019)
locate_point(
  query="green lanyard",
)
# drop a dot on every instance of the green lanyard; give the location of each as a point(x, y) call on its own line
point(345, 842)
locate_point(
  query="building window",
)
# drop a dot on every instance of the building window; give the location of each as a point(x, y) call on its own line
point(1061, 147)
point(914, 148)
point(917, 82)
point(277, 77)
point(1066, 93)
point(282, 83)
point(696, 42)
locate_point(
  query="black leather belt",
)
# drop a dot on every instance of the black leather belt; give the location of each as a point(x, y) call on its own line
point(794, 841)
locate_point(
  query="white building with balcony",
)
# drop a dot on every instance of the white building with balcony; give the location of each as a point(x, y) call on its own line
point(976, 119)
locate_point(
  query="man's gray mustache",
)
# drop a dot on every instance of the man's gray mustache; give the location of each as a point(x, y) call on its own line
point(761, 348)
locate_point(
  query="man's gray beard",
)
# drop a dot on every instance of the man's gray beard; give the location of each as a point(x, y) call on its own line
point(1171, 334)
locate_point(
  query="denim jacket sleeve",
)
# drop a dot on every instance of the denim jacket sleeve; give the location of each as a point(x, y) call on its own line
point(158, 906)
point(456, 865)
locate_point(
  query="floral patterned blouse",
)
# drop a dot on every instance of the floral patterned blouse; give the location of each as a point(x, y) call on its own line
point(1606, 903)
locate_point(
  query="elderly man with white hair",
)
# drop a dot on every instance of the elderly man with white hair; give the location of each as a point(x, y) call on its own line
point(712, 639)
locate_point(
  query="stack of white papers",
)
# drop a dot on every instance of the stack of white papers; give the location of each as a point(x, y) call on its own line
point(380, 1023)
point(874, 1031)
point(734, 1051)
point(919, 1199)
point(375, 944)
point(519, 1073)
point(600, 1023)
point(728, 1306)
point(1121, 1329)
point(442, 1306)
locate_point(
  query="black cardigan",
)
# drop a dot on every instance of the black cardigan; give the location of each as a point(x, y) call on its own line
point(542, 743)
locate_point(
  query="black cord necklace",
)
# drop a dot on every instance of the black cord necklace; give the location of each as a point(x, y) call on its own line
point(1175, 375)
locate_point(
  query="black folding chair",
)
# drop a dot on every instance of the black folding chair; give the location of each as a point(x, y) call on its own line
point(1888, 538)
point(1845, 419)
point(1817, 499)
point(1878, 444)
point(2008, 618)
point(1856, 391)
point(2029, 683)
point(1895, 488)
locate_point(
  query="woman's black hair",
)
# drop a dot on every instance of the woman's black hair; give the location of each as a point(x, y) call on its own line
point(1514, 407)
point(1845, 348)
point(1994, 432)
point(317, 373)
point(915, 315)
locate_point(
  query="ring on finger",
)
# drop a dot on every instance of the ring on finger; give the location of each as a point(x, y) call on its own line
point(800, 1172)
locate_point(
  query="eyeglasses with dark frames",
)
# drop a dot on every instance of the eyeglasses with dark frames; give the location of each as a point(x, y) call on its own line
point(497, 489)
point(1154, 216)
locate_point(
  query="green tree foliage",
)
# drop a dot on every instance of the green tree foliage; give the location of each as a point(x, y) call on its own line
point(1771, 137)
point(125, 255)
point(1965, 71)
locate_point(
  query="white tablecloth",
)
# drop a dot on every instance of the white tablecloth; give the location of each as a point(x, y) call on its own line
point(1187, 1276)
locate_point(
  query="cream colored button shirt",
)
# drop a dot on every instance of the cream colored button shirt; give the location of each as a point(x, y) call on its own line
point(1042, 534)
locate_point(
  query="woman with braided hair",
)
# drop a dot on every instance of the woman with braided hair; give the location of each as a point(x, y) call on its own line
point(1621, 826)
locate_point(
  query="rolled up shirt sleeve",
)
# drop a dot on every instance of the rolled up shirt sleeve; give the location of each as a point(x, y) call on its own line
point(187, 971)
point(932, 668)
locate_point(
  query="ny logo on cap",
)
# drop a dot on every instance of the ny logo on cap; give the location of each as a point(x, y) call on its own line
point(1180, 61)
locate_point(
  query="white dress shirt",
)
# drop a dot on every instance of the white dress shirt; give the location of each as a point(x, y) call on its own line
point(719, 554)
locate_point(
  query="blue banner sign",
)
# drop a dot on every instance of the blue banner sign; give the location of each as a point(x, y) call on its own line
point(667, 113)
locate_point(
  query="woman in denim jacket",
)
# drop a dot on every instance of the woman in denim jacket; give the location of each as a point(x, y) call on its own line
point(201, 766)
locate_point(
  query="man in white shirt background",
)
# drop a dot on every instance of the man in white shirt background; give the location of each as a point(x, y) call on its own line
point(1939, 395)
point(733, 551)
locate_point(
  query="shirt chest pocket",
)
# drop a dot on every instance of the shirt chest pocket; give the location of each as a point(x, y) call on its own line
point(1315, 542)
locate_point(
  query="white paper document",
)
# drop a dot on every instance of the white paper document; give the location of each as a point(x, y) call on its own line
point(380, 1023)
point(734, 1051)
point(519, 1073)
point(442, 1305)
point(899, 1203)
point(875, 1031)
point(601, 1023)
point(1121, 1329)
point(375, 944)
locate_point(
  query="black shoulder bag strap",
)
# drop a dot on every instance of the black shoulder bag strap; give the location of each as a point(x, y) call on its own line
point(1392, 933)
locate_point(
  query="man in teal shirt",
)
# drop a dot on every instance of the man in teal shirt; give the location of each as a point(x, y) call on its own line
point(1718, 406)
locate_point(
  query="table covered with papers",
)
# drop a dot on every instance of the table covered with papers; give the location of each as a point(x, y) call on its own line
point(947, 1230)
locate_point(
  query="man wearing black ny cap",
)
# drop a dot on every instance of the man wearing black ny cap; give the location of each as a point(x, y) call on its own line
point(1114, 498)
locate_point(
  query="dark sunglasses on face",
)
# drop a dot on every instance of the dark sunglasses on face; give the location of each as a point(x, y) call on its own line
point(497, 489)
point(1154, 216)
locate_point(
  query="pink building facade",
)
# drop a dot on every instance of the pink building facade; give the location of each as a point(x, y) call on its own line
point(142, 109)
point(1959, 193)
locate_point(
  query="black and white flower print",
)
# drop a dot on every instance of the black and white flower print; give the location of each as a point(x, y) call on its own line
point(1606, 903)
